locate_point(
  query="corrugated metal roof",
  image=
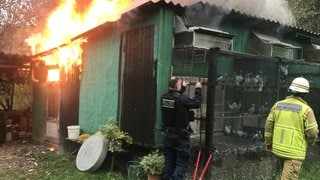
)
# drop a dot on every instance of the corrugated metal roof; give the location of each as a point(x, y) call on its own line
point(14, 67)
point(13, 59)
point(273, 40)
point(276, 22)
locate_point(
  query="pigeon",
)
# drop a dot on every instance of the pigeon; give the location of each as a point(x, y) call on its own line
point(235, 107)
point(227, 130)
point(263, 109)
point(257, 137)
point(284, 70)
point(260, 82)
point(238, 79)
point(247, 79)
point(239, 106)
point(222, 78)
point(255, 80)
point(241, 134)
point(252, 109)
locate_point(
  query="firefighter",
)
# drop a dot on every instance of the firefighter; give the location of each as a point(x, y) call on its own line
point(176, 114)
point(290, 128)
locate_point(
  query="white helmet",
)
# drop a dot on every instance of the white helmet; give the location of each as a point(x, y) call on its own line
point(300, 85)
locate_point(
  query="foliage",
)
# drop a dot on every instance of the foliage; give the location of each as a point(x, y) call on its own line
point(307, 13)
point(153, 163)
point(15, 16)
point(135, 171)
point(19, 19)
point(114, 135)
point(6, 93)
point(17, 12)
point(22, 96)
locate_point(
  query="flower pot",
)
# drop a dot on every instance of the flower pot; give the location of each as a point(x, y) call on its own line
point(154, 176)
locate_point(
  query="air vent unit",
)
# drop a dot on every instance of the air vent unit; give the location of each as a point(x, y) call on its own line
point(200, 37)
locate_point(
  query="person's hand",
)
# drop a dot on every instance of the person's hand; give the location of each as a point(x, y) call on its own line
point(269, 148)
point(185, 83)
point(198, 85)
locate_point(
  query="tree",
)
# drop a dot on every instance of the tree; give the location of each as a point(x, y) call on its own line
point(18, 19)
point(307, 13)
point(15, 15)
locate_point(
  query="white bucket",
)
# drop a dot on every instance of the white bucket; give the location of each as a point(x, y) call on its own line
point(73, 132)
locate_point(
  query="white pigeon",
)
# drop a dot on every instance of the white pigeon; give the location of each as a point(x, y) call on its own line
point(238, 79)
point(284, 70)
point(255, 80)
point(241, 134)
point(234, 107)
point(247, 79)
point(257, 137)
point(260, 82)
point(227, 129)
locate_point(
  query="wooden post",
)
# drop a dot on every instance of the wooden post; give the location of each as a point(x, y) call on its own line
point(212, 76)
point(212, 65)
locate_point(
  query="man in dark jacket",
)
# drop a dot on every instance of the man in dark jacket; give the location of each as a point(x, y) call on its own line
point(176, 113)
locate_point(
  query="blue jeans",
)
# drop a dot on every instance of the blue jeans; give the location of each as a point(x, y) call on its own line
point(177, 152)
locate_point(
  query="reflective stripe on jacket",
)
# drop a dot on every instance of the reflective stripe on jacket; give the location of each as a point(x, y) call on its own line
point(286, 128)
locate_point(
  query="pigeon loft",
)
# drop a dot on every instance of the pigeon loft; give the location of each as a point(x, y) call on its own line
point(254, 121)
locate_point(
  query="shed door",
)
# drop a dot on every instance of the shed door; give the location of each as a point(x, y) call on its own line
point(139, 87)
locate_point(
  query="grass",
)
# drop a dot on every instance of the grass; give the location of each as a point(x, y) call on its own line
point(310, 170)
point(54, 166)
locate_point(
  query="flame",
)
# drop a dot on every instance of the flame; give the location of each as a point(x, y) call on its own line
point(67, 22)
point(53, 75)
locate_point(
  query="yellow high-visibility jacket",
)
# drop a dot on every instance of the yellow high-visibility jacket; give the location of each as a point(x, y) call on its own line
point(290, 127)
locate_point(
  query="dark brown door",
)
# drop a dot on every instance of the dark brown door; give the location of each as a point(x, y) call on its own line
point(139, 87)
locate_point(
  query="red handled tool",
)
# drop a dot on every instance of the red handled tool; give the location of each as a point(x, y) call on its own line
point(197, 165)
point(205, 167)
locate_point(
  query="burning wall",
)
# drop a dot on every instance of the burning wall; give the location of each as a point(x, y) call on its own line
point(69, 20)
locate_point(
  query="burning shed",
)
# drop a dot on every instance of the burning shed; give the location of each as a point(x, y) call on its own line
point(121, 67)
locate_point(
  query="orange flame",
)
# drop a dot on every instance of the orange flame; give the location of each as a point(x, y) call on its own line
point(66, 22)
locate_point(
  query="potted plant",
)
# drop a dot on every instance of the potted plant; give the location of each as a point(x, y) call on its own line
point(114, 136)
point(153, 164)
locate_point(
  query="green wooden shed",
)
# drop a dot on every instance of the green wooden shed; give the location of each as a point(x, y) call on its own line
point(127, 65)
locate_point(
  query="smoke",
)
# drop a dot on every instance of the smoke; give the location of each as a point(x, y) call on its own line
point(203, 15)
point(275, 10)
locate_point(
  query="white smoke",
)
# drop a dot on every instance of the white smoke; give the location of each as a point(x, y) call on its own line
point(276, 10)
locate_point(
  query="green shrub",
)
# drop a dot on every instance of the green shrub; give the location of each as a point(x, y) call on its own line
point(114, 135)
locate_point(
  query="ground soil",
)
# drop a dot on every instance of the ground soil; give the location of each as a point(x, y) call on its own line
point(20, 155)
